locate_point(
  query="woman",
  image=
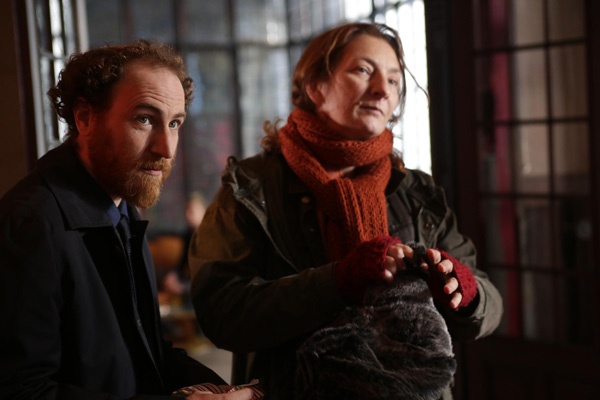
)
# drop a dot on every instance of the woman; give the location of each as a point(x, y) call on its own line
point(299, 232)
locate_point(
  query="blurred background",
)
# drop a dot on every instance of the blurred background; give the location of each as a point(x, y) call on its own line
point(510, 131)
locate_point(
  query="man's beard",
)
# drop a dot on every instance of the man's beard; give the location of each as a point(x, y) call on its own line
point(122, 175)
point(143, 190)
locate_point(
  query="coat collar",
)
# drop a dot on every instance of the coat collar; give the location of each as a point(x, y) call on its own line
point(83, 202)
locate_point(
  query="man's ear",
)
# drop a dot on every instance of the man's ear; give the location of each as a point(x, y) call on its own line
point(82, 113)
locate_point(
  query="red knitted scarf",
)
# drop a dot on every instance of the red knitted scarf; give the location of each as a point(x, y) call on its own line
point(353, 209)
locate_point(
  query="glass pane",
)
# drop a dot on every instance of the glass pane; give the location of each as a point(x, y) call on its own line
point(69, 28)
point(493, 88)
point(529, 85)
point(532, 164)
point(204, 21)
point(334, 12)
point(212, 73)
point(576, 309)
point(527, 22)
point(566, 19)
point(539, 298)
point(208, 140)
point(152, 19)
point(295, 54)
point(264, 80)
point(508, 283)
point(357, 9)
point(569, 81)
point(300, 22)
point(261, 20)
point(412, 131)
point(536, 247)
point(495, 154)
point(575, 229)
point(491, 24)
point(500, 231)
point(571, 154)
point(104, 22)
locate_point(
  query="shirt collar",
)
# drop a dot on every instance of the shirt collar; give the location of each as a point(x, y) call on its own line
point(115, 212)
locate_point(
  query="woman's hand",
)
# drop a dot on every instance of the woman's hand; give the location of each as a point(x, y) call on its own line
point(394, 260)
point(443, 269)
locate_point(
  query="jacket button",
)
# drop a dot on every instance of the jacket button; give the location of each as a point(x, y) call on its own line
point(306, 199)
point(429, 225)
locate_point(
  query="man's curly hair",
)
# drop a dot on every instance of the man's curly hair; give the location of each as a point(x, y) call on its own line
point(91, 75)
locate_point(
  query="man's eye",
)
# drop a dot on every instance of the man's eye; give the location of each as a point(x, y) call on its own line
point(174, 124)
point(142, 119)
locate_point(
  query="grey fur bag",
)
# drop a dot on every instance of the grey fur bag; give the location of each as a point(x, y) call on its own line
point(394, 346)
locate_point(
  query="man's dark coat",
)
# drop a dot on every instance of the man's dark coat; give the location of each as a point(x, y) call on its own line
point(69, 325)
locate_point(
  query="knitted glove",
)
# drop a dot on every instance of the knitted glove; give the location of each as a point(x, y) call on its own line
point(467, 285)
point(362, 267)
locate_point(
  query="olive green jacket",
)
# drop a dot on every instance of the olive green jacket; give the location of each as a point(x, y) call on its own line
point(261, 282)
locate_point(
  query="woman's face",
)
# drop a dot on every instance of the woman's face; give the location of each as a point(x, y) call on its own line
point(362, 93)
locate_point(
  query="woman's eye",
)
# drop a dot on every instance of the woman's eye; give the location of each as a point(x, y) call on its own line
point(362, 70)
point(393, 82)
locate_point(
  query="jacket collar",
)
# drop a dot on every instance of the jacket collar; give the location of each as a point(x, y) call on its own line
point(83, 202)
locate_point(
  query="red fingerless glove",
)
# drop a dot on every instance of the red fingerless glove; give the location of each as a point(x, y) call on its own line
point(467, 285)
point(363, 266)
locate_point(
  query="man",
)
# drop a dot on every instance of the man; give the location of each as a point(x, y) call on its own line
point(77, 286)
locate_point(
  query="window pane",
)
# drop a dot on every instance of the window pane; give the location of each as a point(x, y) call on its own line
point(495, 155)
point(212, 73)
point(566, 19)
point(205, 21)
point(529, 85)
point(539, 298)
point(571, 158)
point(357, 9)
point(574, 223)
point(208, 140)
point(104, 22)
point(300, 22)
point(491, 24)
point(334, 12)
point(527, 22)
point(500, 231)
point(536, 247)
point(569, 81)
point(153, 19)
point(532, 164)
point(262, 21)
point(493, 88)
point(508, 283)
point(264, 80)
point(208, 133)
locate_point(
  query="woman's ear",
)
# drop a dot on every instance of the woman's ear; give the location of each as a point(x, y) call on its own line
point(314, 93)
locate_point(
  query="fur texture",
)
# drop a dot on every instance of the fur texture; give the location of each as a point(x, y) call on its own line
point(394, 346)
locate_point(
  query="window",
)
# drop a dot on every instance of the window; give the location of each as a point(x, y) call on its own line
point(534, 157)
point(55, 31)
